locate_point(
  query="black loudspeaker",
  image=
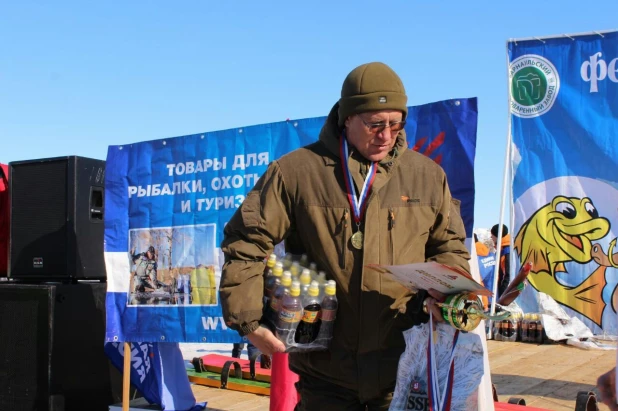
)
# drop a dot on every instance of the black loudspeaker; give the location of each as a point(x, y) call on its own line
point(51, 350)
point(57, 218)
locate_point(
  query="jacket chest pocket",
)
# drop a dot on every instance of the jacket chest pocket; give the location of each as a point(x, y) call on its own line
point(408, 231)
point(324, 233)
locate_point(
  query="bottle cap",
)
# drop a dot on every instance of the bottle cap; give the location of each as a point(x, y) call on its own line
point(286, 280)
point(278, 269)
point(272, 259)
point(287, 260)
point(314, 289)
point(295, 269)
point(331, 288)
point(295, 289)
point(305, 277)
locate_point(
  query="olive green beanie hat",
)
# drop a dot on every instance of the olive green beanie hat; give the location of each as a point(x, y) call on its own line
point(371, 87)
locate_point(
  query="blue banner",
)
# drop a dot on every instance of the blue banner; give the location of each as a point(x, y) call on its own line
point(167, 201)
point(564, 118)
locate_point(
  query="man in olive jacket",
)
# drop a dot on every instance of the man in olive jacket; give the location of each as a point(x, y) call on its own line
point(406, 215)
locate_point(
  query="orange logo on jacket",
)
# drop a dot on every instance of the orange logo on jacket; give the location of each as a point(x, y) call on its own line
point(410, 200)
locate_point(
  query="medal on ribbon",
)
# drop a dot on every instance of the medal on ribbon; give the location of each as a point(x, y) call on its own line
point(358, 204)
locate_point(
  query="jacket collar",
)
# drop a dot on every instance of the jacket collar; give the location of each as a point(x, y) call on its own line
point(330, 135)
point(506, 241)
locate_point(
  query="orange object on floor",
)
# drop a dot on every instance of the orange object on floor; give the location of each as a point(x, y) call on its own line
point(283, 394)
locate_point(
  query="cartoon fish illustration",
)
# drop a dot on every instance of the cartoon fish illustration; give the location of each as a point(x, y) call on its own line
point(561, 232)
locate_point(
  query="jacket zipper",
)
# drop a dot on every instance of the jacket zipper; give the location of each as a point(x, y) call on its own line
point(344, 237)
point(391, 227)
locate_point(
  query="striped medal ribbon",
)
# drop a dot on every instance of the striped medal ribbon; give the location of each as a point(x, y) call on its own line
point(357, 203)
point(439, 401)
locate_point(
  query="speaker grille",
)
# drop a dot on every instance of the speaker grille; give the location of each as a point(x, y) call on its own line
point(20, 375)
point(39, 209)
point(51, 348)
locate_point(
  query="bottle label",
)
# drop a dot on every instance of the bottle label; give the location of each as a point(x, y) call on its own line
point(274, 304)
point(329, 315)
point(311, 316)
point(290, 316)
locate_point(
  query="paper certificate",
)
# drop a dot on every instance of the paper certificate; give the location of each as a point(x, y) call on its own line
point(423, 276)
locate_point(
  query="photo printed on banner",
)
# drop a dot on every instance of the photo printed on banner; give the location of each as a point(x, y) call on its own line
point(173, 266)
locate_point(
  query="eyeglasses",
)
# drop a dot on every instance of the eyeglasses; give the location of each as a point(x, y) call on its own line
point(379, 127)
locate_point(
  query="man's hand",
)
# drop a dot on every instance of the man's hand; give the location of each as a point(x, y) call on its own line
point(430, 302)
point(606, 384)
point(265, 341)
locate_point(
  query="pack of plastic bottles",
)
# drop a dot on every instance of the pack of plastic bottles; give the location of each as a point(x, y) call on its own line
point(520, 327)
point(300, 305)
point(532, 329)
point(507, 330)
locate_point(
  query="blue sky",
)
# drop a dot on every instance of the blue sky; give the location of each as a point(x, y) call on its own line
point(76, 77)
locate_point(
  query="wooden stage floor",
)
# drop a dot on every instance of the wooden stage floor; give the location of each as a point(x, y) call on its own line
point(546, 376)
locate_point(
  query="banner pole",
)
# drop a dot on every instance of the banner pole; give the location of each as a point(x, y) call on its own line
point(126, 377)
point(502, 201)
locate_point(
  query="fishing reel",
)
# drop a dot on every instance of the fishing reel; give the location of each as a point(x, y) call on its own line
point(464, 311)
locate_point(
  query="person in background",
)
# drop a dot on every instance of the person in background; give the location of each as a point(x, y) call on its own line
point(504, 276)
point(252, 352)
point(145, 270)
point(481, 249)
point(487, 262)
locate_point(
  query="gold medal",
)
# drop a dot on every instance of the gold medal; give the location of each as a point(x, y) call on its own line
point(358, 204)
point(357, 240)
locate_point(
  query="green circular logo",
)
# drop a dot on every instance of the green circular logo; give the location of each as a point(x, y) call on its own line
point(529, 86)
point(534, 85)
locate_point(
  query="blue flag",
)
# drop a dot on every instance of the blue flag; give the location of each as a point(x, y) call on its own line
point(158, 372)
point(487, 264)
point(167, 201)
point(563, 101)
